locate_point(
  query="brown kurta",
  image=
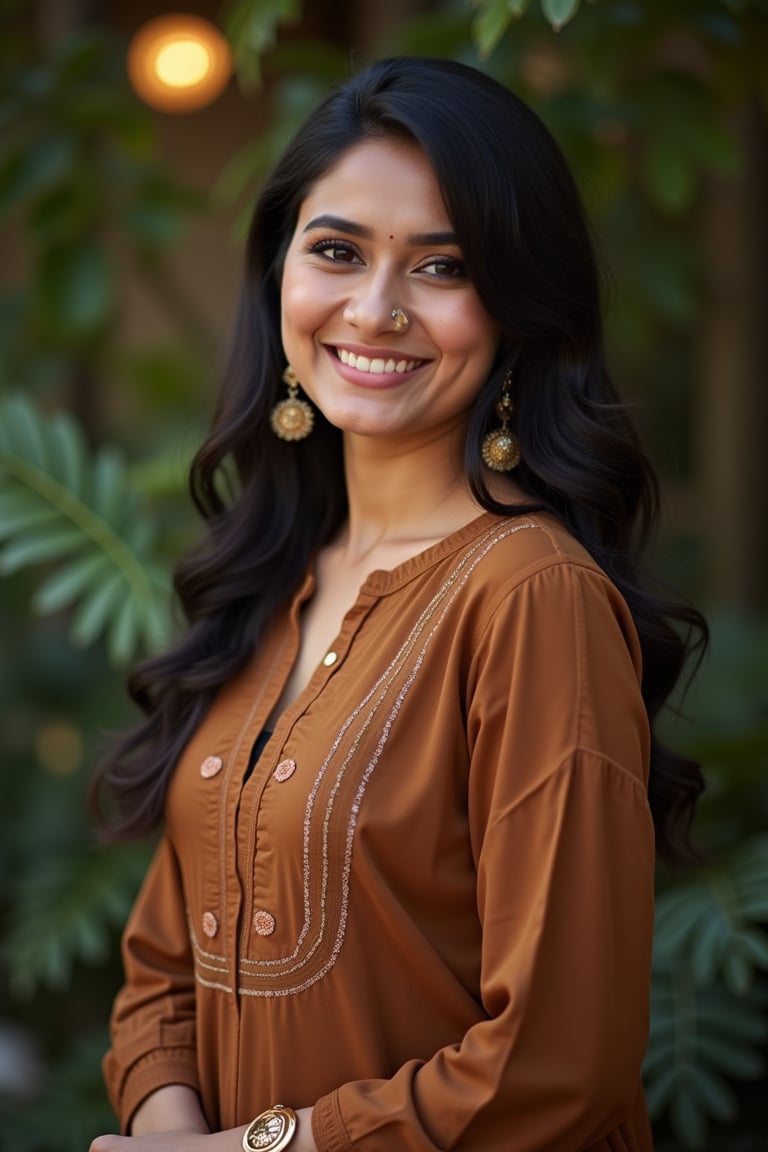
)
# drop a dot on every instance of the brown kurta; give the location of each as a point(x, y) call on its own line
point(428, 911)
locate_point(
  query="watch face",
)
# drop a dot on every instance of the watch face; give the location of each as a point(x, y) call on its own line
point(271, 1131)
point(268, 1132)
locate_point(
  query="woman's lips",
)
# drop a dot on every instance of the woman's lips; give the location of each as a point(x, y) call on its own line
point(378, 365)
point(371, 370)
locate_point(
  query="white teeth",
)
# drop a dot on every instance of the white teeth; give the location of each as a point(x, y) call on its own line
point(377, 366)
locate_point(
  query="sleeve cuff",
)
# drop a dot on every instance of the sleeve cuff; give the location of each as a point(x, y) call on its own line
point(328, 1127)
point(156, 1070)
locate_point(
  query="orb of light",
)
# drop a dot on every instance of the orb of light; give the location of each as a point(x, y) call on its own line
point(179, 63)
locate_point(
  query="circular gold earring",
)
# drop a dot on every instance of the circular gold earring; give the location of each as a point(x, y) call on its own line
point(500, 449)
point(402, 320)
point(293, 418)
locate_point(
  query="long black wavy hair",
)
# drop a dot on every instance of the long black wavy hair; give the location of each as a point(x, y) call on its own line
point(527, 246)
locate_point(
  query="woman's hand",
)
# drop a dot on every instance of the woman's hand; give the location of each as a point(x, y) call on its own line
point(174, 1140)
point(194, 1139)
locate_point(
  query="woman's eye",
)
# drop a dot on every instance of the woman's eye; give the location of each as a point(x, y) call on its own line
point(334, 250)
point(445, 268)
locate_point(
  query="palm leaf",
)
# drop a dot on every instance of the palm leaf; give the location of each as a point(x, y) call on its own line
point(66, 909)
point(715, 923)
point(76, 513)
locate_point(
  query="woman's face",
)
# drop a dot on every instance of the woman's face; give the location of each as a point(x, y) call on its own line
point(372, 235)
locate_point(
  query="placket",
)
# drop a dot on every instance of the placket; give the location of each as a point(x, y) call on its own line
point(260, 927)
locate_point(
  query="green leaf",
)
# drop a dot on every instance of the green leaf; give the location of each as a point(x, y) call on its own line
point(732, 1057)
point(96, 609)
point(713, 1094)
point(737, 972)
point(23, 518)
point(559, 12)
point(661, 1088)
point(688, 1119)
point(64, 907)
point(43, 164)
point(109, 479)
point(66, 452)
point(708, 948)
point(67, 584)
point(122, 589)
point(251, 28)
point(490, 24)
point(76, 289)
point(124, 633)
point(22, 431)
point(50, 545)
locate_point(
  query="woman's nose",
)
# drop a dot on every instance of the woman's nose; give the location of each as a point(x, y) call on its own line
point(371, 304)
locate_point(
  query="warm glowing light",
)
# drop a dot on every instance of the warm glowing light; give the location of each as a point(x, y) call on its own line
point(179, 63)
point(182, 63)
point(59, 747)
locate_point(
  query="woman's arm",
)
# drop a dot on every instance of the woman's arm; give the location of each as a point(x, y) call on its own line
point(562, 842)
point(173, 1107)
point(171, 1120)
point(154, 1018)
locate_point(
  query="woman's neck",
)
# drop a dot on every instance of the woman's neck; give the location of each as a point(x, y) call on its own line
point(411, 494)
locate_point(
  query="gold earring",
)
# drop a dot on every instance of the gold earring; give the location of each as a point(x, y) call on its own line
point(292, 419)
point(500, 449)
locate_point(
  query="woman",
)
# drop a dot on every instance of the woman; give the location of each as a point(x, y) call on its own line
point(403, 754)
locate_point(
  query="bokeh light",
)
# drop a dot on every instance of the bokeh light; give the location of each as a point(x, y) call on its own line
point(179, 63)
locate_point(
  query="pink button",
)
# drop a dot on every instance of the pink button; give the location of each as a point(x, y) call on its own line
point(210, 924)
point(211, 766)
point(263, 922)
point(285, 770)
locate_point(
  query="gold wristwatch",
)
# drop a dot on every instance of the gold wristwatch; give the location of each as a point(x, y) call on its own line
point(272, 1131)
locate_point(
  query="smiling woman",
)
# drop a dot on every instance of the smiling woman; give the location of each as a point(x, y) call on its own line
point(404, 756)
point(388, 242)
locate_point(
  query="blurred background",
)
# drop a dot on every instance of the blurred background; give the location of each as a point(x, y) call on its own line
point(129, 156)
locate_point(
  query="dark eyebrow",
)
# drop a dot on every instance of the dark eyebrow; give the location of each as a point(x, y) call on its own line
point(339, 224)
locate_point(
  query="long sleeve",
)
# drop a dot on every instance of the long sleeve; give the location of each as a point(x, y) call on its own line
point(562, 843)
point(153, 1020)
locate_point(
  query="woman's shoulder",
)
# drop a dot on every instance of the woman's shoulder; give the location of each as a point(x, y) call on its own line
point(515, 548)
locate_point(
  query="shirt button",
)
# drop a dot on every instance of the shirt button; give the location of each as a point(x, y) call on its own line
point(210, 924)
point(263, 922)
point(329, 659)
point(211, 766)
point(284, 770)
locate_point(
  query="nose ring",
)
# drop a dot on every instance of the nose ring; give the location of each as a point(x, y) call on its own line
point(402, 320)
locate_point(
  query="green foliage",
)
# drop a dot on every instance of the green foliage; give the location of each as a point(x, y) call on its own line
point(67, 903)
point(706, 1028)
point(712, 924)
point(77, 167)
point(251, 27)
point(61, 505)
point(701, 1040)
point(494, 17)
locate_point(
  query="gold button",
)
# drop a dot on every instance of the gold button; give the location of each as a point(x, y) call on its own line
point(329, 658)
point(210, 924)
point(211, 766)
point(264, 922)
point(284, 770)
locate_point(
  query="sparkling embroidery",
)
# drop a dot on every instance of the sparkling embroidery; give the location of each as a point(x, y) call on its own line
point(420, 638)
